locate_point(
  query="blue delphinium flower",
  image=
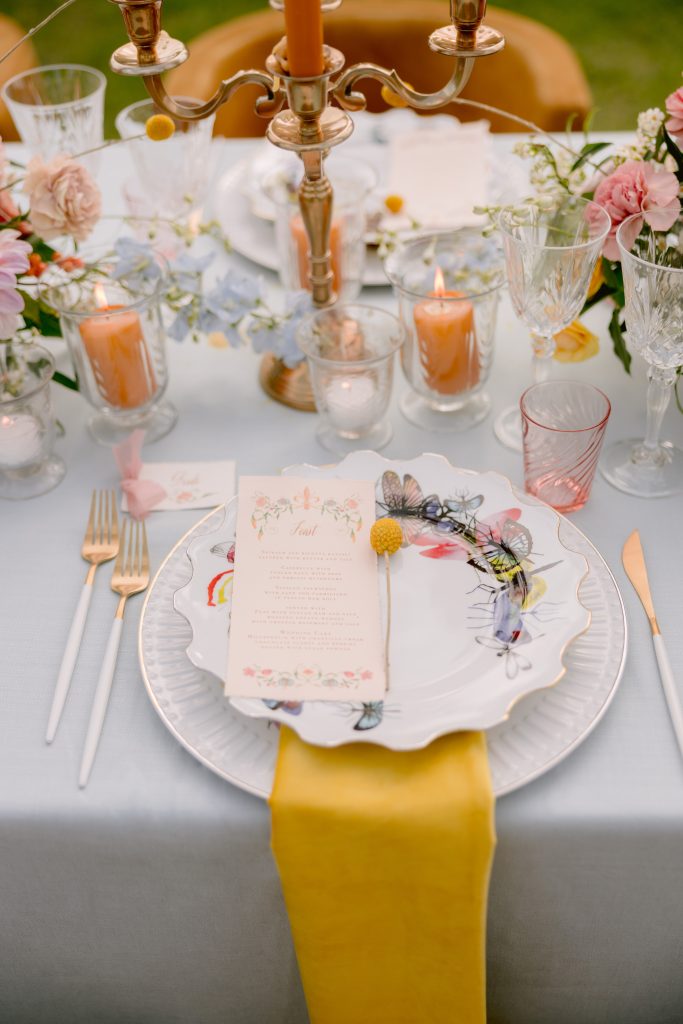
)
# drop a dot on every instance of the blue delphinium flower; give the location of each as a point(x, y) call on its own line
point(136, 262)
point(186, 271)
point(272, 332)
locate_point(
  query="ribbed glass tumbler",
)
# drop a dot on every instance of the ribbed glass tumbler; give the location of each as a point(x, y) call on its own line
point(563, 424)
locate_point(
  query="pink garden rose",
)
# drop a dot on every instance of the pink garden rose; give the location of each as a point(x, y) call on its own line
point(64, 198)
point(638, 187)
point(674, 108)
point(13, 261)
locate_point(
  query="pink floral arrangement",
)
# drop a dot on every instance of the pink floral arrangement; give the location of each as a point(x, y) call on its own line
point(643, 178)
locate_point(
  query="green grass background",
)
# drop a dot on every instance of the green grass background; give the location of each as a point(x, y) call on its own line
point(632, 50)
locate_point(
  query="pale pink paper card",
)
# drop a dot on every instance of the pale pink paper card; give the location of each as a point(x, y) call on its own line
point(306, 618)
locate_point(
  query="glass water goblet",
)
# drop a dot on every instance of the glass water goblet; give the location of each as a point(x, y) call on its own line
point(551, 249)
point(58, 108)
point(652, 266)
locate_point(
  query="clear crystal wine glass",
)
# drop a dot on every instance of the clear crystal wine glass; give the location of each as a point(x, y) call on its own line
point(551, 248)
point(652, 266)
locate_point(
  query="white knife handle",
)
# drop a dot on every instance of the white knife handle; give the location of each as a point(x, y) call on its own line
point(68, 661)
point(100, 702)
point(670, 689)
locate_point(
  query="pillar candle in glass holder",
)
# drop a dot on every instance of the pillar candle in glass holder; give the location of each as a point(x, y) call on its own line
point(302, 246)
point(20, 440)
point(304, 29)
point(116, 348)
point(447, 340)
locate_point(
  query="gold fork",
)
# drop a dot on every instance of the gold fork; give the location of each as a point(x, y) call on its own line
point(100, 544)
point(131, 576)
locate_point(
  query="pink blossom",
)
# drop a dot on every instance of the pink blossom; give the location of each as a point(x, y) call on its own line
point(638, 187)
point(367, 674)
point(249, 672)
point(64, 198)
point(674, 108)
point(13, 261)
point(8, 208)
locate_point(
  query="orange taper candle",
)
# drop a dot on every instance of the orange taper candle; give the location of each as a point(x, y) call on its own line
point(303, 249)
point(304, 28)
point(447, 340)
point(116, 348)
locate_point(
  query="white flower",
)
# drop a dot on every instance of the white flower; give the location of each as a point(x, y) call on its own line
point(649, 123)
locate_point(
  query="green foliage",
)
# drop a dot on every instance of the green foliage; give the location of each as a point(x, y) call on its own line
point(36, 314)
point(616, 331)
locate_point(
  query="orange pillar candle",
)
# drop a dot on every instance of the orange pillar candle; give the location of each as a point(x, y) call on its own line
point(447, 340)
point(304, 28)
point(115, 346)
point(303, 249)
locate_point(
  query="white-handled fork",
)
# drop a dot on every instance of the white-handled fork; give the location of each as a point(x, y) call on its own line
point(131, 576)
point(100, 544)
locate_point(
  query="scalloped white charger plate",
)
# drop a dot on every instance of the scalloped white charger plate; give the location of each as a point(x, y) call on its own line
point(476, 625)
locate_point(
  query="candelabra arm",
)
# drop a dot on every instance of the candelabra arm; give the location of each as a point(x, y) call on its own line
point(266, 106)
point(345, 94)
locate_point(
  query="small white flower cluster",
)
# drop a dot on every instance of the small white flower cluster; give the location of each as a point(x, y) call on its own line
point(649, 123)
point(552, 171)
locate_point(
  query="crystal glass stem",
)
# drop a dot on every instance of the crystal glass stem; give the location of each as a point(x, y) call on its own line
point(541, 361)
point(658, 398)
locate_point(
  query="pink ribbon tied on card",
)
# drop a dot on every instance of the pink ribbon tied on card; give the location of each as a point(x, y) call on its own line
point(142, 495)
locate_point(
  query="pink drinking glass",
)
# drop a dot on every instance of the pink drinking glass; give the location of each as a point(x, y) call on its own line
point(563, 424)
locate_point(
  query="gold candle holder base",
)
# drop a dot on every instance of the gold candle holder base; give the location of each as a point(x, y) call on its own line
point(289, 386)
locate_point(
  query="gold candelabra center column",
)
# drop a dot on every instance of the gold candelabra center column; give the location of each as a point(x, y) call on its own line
point(309, 124)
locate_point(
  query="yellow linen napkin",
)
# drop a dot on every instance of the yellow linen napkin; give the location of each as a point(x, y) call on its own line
point(384, 859)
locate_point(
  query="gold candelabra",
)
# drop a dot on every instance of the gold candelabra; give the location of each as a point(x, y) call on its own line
point(309, 124)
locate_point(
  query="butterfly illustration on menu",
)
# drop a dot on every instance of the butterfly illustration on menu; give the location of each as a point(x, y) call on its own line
point(406, 503)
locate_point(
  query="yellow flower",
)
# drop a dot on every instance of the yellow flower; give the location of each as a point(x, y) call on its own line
point(575, 343)
point(394, 203)
point(217, 340)
point(386, 535)
point(391, 98)
point(597, 280)
point(159, 127)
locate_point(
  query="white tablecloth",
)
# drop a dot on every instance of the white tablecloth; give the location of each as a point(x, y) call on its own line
point(151, 897)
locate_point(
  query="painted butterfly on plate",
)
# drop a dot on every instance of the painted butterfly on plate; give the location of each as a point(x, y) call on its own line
point(407, 504)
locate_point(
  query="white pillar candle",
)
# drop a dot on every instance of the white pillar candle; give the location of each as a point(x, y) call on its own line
point(352, 403)
point(20, 440)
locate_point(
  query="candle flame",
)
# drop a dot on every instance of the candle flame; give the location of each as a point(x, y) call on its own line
point(100, 295)
point(439, 286)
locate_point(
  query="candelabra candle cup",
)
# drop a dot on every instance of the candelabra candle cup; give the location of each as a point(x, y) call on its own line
point(185, 158)
point(111, 319)
point(352, 183)
point(652, 265)
point(28, 465)
point(563, 425)
point(58, 108)
point(350, 351)
point(448, 288)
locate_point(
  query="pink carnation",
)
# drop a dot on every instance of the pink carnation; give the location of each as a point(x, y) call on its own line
point(638, 187)
point(64, 198)
point(13, 261)
point(674, 108)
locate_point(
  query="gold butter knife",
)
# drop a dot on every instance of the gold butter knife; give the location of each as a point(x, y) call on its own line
point(634, 564)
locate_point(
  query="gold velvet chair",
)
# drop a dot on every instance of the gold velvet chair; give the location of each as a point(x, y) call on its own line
point(536, 76)
point(22, 59)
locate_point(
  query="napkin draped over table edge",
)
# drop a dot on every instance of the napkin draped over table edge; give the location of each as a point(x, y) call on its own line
point(384, 859)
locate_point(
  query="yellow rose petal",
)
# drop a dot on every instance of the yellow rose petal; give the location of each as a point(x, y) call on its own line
point(597, 279)
point(575, 344)
point(391, 98)
point(159, 127)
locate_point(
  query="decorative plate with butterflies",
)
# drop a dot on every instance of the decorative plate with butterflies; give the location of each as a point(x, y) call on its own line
point(484, 604)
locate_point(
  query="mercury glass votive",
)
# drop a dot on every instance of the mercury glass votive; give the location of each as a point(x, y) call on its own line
point(111, 318)
point(448, 286)
point(28, 466)
point(350, 351)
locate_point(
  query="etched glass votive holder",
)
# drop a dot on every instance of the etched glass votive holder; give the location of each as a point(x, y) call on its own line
point(28, 466)
point(350, 351)
point(448, 286)
point(352, 184)
point(58, 108)
point(563, 425)
point(111, 319)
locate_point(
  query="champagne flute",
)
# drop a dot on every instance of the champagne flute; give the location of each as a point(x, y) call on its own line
point(551, 245)
point(652, 266)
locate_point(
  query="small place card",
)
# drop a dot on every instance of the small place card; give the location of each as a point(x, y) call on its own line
point(306, 617)
point(189, 484)
point(441, 175)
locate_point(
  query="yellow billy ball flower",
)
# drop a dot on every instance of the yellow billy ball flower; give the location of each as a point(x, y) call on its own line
point(393, 203)
point(159, 127)
point(386, 536)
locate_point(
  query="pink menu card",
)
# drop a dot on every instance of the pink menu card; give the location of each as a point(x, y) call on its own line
point(306, 617)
